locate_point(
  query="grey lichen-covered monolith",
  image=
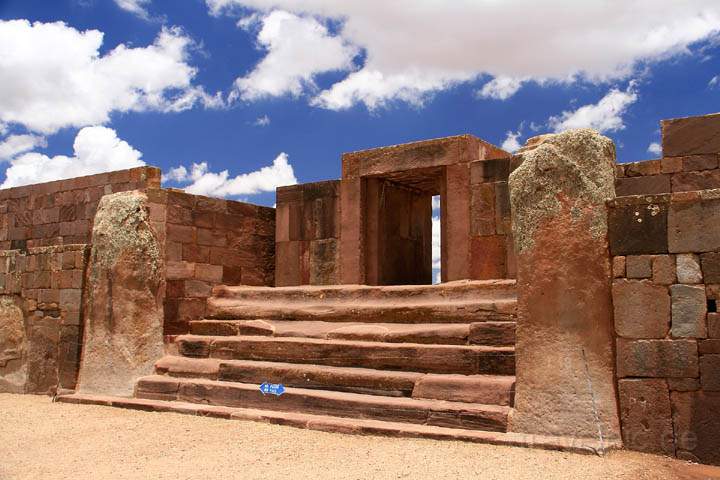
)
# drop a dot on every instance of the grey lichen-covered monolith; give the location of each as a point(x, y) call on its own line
point(13, 346)
point(124, 297)
point(564, 351)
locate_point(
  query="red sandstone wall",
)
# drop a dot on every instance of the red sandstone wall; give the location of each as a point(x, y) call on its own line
point(690, 162)
point(209, 242)
point(308, 234)
point(666, 289)
point(62, 212)
point(46, 284)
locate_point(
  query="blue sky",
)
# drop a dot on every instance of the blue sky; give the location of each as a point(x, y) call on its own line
point(236, 84)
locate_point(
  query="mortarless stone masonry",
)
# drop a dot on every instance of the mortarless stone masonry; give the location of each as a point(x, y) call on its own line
point(639, 313)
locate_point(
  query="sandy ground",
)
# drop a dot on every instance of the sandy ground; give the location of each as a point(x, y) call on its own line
point(44, 440)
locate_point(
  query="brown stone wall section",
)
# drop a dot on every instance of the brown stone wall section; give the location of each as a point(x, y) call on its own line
point(666, 261)
point(691, 149)
point(40, 349)
point(308, 234)
point(62, 212)
point(208, 242)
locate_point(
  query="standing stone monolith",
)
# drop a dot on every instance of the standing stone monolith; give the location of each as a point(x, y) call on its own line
point(13, 346)
point(124, 309)
point(564, 351)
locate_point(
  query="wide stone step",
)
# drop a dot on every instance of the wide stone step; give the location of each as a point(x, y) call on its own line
point(356, 426)
point(466, 311)
point(340, 404)
point(482, 333)
point(466, 290)
point(486, 389)
point(414, 357)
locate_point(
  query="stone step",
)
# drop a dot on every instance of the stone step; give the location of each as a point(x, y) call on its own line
point(414, 357)
point(466, 311)
point(482, 333)
point(462, 290)
point(320, 402)
point(356, 426)
point(486, 389)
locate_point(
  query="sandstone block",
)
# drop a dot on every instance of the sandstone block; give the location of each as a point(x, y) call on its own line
point(671, 164)
point(488, 257)
point(638, 229)
point(688, 268)
point(618, 266)
point(683, 384)
point(710, 373)
point(692, 181)
point(646, 416)
point(689, 308)
point(700, 162)
point(696, 418)
point(649, 185)
point(638, 266)
point(209, 273)
point(711, 267)
point(124, 310)
point(694, 226)
point(713, 325)
point(657, 358)
point(691, 136)
point(664, 270)
point(711, 345)
point(642, 309)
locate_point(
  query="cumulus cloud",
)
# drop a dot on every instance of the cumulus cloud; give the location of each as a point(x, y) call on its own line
point(604, 116)
point(655, 148)
point(714, 81)
point(136, 7)
point(14, 145)
point(53, 76)
point(175, 174)
point(298, 48)
point(409, 53)
point(435, 243)
point(511, 143)
point(96, 149)
point(501, 88)
point(205, 182)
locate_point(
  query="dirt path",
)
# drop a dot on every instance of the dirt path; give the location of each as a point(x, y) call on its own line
point(44, 440)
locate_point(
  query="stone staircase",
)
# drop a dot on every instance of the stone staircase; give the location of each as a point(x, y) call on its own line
point(432, 361)
point(429, 355)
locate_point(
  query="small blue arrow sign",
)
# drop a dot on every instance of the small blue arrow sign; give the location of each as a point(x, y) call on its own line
point(272, 388)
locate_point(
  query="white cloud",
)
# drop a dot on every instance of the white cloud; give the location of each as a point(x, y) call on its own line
point(604, 116)
point(435, 242)
point(263, 121)
point(17, 144)
point(298, 48)
point(136, 7)
point(416, 47)
point(714, 81)
point(511, 143)
point(501, 88)
point(52, 76)
point(655, 148)
point(176, 174)
point(96, 150)
point(205, 182)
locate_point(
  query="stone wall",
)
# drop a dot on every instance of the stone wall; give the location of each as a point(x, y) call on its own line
point(62, 212)
point(308, 234)
point(40, 319)
point(690, 161)
point(666, 289)
point(208, 242)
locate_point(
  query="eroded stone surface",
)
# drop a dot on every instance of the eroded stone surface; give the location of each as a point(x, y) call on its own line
point(124, 312)
point(642, 309)
point(13, 347)
point(565, 382)
point(688, 311)
point(646, 417)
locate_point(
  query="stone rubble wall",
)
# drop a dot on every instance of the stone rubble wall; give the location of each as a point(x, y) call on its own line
point(40, 317)
point(209, 242)
point(666, 290)
point(62, 212)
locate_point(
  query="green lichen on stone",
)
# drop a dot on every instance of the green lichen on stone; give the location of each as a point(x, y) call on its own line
point(578, 165)
point(122, 225)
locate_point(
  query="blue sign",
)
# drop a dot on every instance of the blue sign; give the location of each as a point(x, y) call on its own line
point(272, 388)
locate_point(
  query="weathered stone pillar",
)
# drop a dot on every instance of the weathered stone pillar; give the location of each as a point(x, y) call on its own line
point(124, 297)
point(13, 346)
point(565, 375)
